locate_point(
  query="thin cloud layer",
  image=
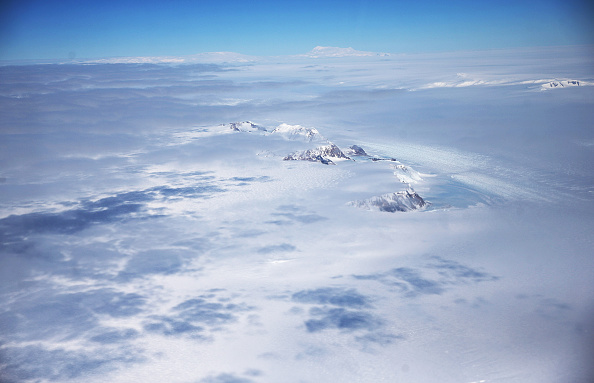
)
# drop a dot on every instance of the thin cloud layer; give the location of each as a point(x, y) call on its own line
point(143, 238)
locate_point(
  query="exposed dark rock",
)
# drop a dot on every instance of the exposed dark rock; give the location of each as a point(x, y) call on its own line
point(401, 201)
point(320, 154)
point(355, 150)
point(246, 126)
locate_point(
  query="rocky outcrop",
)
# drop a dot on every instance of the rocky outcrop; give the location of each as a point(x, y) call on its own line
point(401, 201)
point(321, 154)
point(246, 126)
point(355, 150)
point(560, 84)
point(327, 153)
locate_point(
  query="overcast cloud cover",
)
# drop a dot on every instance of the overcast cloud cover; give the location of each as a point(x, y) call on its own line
point(168, 215)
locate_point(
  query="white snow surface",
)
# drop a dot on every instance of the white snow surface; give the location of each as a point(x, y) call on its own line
point(406, 174)
point(246, 126)
point(143, 239)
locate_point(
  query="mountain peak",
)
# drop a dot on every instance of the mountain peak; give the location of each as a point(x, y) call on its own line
point(320, 154)
point(298, 132)
point(406, 200)
point(246, 126)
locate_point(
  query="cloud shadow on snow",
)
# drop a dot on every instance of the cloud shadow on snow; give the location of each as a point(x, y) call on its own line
point(44, 317)
point(76, 316)
point(432, 279)
point(345, 310)
point(34, 362)
point(340, 318)
point(39, 243)
point(283, 247)
point(157, 261)
point(66, 315)
point(333, 296)
point(226, 378)
point(110, 336)
point(196, 317)
point(15, 229)
point(457, 273)
point(243, 181)
point(294, 214)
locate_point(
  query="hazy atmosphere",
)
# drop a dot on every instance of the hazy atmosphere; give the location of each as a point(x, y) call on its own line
point(38, 29)
point(203, 192)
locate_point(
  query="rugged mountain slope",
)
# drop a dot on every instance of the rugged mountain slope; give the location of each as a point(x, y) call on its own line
point(321, 154)
point(246, 126)
point(355, 150)
point(560, 84)
point(392, 202)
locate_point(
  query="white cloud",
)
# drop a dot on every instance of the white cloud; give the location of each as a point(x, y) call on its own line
point(142, 240)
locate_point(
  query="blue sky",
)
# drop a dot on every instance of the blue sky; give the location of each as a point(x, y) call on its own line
point(59, 29)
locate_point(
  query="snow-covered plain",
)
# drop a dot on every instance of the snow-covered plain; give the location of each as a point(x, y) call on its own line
point(153, 228)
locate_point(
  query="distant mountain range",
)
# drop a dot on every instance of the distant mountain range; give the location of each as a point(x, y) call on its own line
point(321, 154)
point(318, 52)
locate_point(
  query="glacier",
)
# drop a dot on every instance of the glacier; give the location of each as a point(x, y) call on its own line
point(151, 230)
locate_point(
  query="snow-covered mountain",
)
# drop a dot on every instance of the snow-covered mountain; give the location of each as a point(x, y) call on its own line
point(321, 154)
point(319, 52)
point(560, 84)
point(298, 132)
point(246, 126)
point(355, 150)
point(392, 202)
point(406, 174)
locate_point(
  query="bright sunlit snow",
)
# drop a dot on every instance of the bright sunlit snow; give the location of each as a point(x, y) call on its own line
point(337, 216)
